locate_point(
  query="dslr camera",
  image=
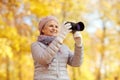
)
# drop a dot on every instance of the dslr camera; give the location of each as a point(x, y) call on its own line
point(79, 26)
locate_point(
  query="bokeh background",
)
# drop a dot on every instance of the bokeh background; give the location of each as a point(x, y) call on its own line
point(19, 28)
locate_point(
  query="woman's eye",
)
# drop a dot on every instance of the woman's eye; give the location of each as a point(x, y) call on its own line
point(51, 25)
point(56, 26)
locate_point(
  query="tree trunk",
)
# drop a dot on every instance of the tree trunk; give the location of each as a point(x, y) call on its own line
point(99, 75)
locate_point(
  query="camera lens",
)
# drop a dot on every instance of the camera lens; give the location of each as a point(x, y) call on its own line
point(80, 26)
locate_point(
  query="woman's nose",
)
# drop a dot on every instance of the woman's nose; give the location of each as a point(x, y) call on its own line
point(54, 28)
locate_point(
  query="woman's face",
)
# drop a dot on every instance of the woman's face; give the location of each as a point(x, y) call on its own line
point(51, 28)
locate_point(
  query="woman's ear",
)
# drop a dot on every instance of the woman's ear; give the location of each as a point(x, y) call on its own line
point(42, 30)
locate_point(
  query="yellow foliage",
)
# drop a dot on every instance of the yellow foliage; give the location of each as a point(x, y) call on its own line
point(39, 8)
point(5, 49)
point(69, 41)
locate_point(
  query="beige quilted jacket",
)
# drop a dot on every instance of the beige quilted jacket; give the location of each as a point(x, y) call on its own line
point(50, 62)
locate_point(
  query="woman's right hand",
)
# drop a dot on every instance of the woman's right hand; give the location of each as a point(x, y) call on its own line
point(65, 29)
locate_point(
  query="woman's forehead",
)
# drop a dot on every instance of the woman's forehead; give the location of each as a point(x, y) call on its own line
point(52, 22)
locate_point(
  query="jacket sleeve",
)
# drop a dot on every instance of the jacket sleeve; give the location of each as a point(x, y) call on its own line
point(45, 56)
point(76, 58)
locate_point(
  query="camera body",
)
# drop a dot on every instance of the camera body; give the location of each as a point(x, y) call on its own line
point(79, 26)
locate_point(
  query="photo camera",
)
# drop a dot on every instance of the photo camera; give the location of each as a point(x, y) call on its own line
point(79, 26)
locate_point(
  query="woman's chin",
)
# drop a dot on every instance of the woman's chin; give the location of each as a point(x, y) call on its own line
point(53, 35)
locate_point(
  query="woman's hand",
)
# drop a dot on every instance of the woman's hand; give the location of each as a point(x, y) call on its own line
point(78, 38)
point(65, 29)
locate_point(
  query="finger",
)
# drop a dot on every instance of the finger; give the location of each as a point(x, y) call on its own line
point(70, 30)
point(68, 26)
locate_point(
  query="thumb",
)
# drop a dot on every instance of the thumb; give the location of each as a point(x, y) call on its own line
point(77, 34)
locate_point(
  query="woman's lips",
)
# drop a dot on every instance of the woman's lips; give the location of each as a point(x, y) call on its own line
point(53, 31)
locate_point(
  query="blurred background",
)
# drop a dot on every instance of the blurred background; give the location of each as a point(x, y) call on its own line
point(19, 28)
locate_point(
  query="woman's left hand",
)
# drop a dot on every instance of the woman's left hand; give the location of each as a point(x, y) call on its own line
point(78, 38)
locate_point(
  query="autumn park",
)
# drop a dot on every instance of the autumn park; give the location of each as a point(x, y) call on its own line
point(101, 37)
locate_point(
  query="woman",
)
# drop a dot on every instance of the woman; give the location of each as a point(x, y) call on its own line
point(49, 53)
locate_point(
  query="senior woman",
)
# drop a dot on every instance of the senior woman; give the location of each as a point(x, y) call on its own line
point(49, 53)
